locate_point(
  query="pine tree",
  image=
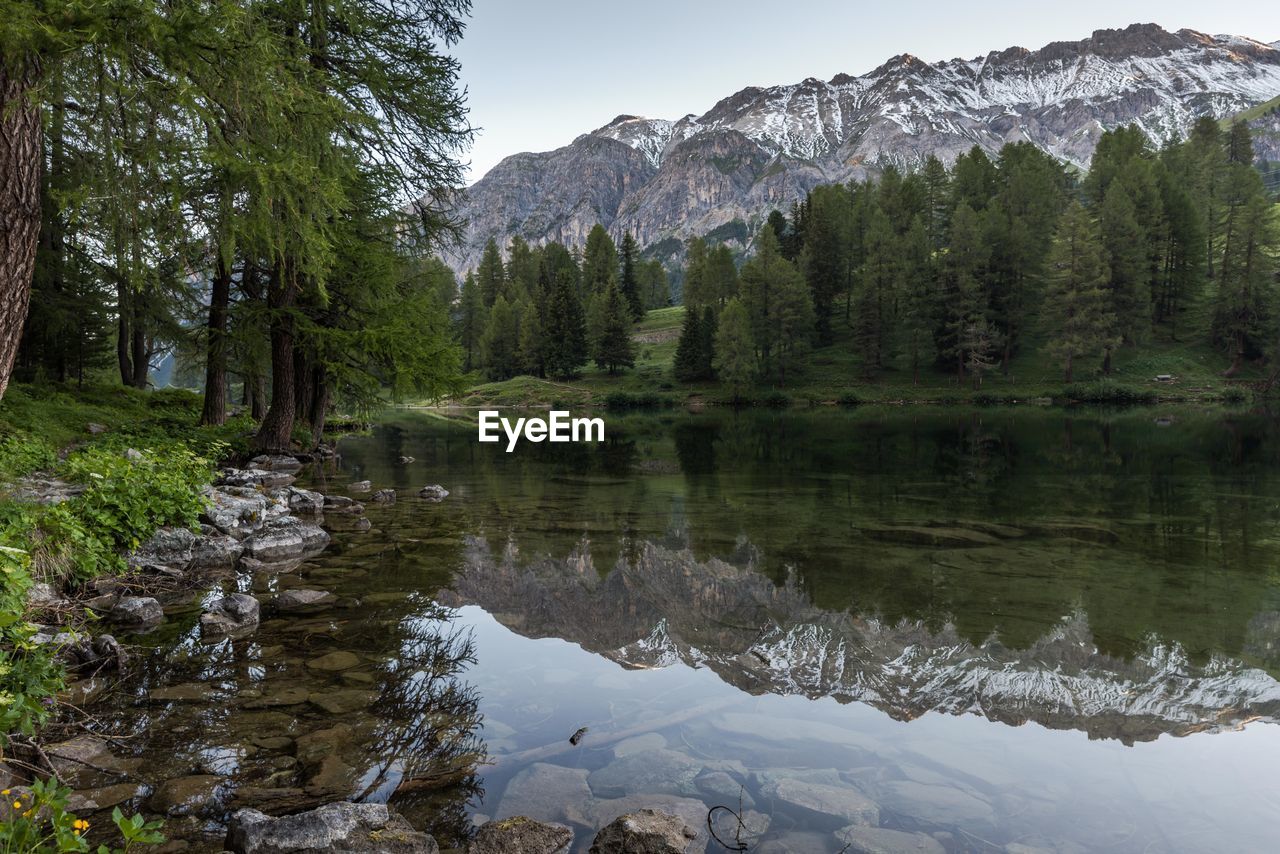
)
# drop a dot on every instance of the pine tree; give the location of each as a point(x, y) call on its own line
point(599, 261)
point(825, 256)
point(522, 270)
point(688, 364)
point(472, 318)
point(490, 276)
point(564, 330)
point(501, 341)
point(707, 346)
point(697, 281)
point(654, 285)
point(612, 344)
point(722, 276)
point(630, 281)
point(734, 349)
point(965, 303)
point(880, 273)
point(530, 355)
point(1076, 300)
point(1246, 272)
point(778, 304)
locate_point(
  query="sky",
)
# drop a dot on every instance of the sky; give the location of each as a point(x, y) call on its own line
point(538, 74)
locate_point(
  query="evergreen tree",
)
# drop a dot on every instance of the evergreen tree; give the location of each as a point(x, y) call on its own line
point(630, 281)
point(825, 256)
point(880, 273)
point(501, 341)
point(707, 346)
point(612, 349)
point(654, 285)
point(688, 363)
point(697, 281)
point(599, 261)
point(471, 322)
point(1246, 272)
point(564, 330)
point(522, 270)
point(777, 301)
point(965, 306)
point(1128, 287)
point(1076, 301)
point(490, 275)
point(530, 351)
point(721, 276)
point(735, 349)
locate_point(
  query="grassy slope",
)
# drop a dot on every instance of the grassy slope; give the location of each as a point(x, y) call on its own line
point(833, 372)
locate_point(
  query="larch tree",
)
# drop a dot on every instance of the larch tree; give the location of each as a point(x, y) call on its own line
point(1076, 306)
point(735, 363)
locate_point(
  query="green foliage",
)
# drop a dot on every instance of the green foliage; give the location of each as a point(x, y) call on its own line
point(29, 677)
point(38, 822)
point(19, 456)
point(1107, 391)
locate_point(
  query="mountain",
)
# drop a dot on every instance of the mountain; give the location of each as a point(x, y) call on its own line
point(761, 148)
point(662, 606)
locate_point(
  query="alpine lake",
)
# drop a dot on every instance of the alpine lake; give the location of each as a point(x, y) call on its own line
point(923, 629)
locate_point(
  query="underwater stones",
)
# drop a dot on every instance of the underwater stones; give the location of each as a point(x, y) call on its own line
point(334, 661)
point(662, 771)
point(881, 840)
point(342, 702)
point(360, 486)
point(384, 496)
point(333, 778)
point(639, 744)
point(551, 792)
point(292, 600)
point(841, 801)
point(194, 795)
point(229, 615)
point(646, 832)
point(937, 804)
point(344, 827)
point(285, 538)
point(189, 692)
point(433, 492)
point(272, 742)
point(138, 611)
point(723, 788)
point(104, 798)
point(520, 835)
point(312, 748)
point(294, 695)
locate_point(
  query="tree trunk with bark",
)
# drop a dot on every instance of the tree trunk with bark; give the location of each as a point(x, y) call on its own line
point(276, 430)
point(21, 160)
point(215, 374)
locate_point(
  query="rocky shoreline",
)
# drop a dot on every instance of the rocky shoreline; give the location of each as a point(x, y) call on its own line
point(256, 522)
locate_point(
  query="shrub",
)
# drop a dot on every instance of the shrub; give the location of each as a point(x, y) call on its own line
point(38, 822)
point(849, 399)
point(1108, 391)
point(21, 455)
point(776, 400)
point(29, 677)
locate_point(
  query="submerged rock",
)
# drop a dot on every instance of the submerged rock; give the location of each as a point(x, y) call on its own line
point(360, 485)
point(660, 771)
point(550, 791)
point(291, 600)
point(882, 840)
point(238, 612)
point(841, 801)
point(342, 827)
point(521, 835)
point(194, 795)
point(385, 496)
point(104, 798)
point(434, 492)
point(646, 832)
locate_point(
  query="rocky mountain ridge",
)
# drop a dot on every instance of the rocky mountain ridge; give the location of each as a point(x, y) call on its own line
point(763, 147)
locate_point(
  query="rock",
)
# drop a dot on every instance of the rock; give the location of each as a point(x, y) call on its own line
point(291, 600)
point(304, 501)
point(404, 461)
point(83, 692)
point(137, 611)
point(360, 485)
point(333, 778)
point(168, 547)
point(95, 429)
point(85, 762)
point(434, 492)
point(645, 832)
point(230, 615)
point(34, 489)
point(194, 795)
point(188, 692)
point(337, 502)
point(639, 744)
point(254, 477)
point(104, 798)
point(215, 550)
point(286, 538)
point(41, 596)
point(275, 462)
point(312, 748)
point(236, 511)
point(938, 804)
point(334, 661)
point(340, 827)
point(384, 496)
point(843, 802)
point(723, 788)
point(551, 792)
point(521, 835)
point(294, 695)
point(342, 702)
point(133, 455)
point(662, 771)
point(881, 840)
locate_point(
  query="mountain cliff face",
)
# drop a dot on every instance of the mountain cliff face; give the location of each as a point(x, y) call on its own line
point(761, 148)
point(663, 606)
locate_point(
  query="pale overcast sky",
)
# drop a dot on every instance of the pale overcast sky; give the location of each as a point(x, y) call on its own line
point(540, 73)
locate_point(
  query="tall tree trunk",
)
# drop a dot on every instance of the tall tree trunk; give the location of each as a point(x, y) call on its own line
point(276, 429)
point(215, 374)
point(21, 160)
point(123, 313)
point(257, 395)
point(319, 403)
point(141, 354)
